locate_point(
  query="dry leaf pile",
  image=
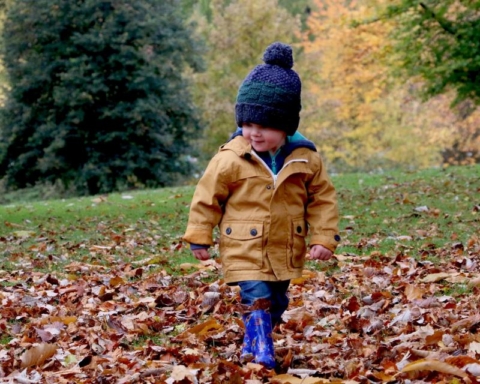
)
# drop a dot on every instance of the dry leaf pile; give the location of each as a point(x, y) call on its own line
point(372, 319)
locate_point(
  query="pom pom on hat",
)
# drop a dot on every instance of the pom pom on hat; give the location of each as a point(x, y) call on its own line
point(279, 54)
point(270, 94)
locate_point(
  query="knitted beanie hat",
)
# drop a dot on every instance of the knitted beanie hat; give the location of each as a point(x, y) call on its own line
point(270, 94)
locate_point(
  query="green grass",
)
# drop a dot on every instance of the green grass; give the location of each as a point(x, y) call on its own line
point(415, 213)
point(5, 339)
point(423, 214)
point(458, 291)
point(142, 340)
point(128, 227)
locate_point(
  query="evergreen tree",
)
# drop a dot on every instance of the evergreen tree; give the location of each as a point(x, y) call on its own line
point(97, 98)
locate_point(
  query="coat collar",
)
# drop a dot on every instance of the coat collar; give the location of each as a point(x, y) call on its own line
point(238, 145)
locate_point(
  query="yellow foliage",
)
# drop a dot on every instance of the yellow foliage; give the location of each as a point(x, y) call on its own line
point(355, 110)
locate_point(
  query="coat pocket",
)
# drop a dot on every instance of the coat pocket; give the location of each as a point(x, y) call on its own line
point(241, 245)
point(298, 245)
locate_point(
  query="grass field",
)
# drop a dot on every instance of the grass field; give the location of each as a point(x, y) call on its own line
point(99, 230)
point(413, 213)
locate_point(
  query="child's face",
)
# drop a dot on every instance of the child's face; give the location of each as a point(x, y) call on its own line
point(262, 138)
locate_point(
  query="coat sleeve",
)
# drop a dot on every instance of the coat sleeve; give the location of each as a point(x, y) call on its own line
point(206, 207)
point(322, 209)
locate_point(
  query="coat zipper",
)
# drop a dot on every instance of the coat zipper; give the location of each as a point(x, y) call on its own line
point(275, 176)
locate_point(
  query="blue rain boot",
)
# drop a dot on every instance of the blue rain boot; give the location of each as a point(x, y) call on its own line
point(260, 326)
point(247, 354)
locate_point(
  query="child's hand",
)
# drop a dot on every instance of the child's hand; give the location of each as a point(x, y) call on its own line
point(201, 254)
point(319, 252)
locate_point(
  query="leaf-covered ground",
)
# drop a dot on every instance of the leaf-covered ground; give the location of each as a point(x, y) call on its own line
point(398, 304)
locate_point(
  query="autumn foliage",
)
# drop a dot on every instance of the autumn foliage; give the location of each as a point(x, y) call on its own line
point(359, 112)
point(383, 320)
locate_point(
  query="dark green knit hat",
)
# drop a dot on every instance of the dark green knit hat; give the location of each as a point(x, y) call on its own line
point(270, 94)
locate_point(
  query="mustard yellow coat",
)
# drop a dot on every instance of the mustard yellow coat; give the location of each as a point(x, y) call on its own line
point(263, 219)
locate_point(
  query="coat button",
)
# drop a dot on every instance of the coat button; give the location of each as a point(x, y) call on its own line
point(253, 232)
point(299, 229)
point(337, 238)
point(228, 231)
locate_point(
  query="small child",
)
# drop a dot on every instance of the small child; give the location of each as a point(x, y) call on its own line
point(266, 188)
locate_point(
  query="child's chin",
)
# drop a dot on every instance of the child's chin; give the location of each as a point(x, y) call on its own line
point(259, 148)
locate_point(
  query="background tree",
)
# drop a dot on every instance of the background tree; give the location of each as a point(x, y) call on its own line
point(301, 8)
point(359, 114)
point(352, 110)
point(439, 40)
point(237, 35)
point(438, 43)
point(97, 99)
point(4, 4)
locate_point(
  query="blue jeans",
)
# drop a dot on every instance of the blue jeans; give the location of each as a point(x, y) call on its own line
point(275, 291)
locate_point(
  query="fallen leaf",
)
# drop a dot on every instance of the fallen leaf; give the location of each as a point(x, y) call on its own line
point(438, 366)
point(180, 372)
point(434, 277)
point(24, 234)
point(413, 292)
point(474, 347)
point(466, 323)
point(422, 208)
point(289, 379)
point(37, 355)
point(25, 378)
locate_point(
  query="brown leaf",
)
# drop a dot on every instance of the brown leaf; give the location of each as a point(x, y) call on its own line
point(116, 281)
point(107, 296)
point(116, 325)
point(434, 277)
point(438, 366)
point(290, 379)
point(180, 373)
point(37, 355)
point(467, 323)
point(202, 329)
point(46, 336)
point(435, 338)
point(461, 361)
point(413, 292)
point(353, 305)
point(52, 280)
